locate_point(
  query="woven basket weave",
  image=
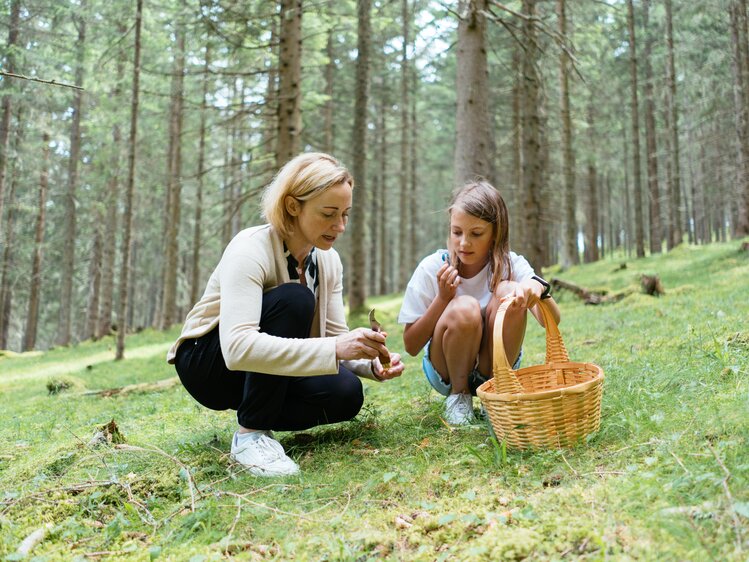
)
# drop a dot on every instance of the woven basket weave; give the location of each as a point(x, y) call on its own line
point(543, 406)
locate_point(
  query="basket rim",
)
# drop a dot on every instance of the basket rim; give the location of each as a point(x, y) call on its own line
point(544, 394)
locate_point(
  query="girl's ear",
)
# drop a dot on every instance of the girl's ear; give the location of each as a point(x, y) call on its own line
point(292, 205)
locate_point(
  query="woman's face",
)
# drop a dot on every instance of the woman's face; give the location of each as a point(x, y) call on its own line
point(322, 219)
point(470, 237)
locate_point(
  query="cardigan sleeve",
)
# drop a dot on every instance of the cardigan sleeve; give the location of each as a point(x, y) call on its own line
point(243, 271)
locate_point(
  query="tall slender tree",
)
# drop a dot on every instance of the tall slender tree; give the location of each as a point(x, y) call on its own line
point(635, 115)
point(7, 103)
point(675, 213)
point(125, 303)
point(570, 255)
point(35, 279)
point(404, 260)
point(531, 146)
point(654, 197)
point(69, 200)
point(358, 288)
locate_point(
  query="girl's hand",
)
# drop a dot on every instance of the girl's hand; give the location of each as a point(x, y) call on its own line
point(526, 294)
point(395, 370)
point(447, 281)
point(361, 343)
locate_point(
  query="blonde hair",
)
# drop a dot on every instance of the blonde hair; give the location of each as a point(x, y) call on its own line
point(480, 199)
point(303, 177)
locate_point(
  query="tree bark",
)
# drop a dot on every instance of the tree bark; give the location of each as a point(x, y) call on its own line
point(473, 154)
point(592, 222)
point(639, 224)
point(109, 248)
point(6, 293)
point(330, 68)
point(404, 259)
point(358, 288)
point(675, 209)
point(7, 102)
point(35, 288)
point(531, 125)
point(570, 254)
point(741, 104)
point(654, 197)
point(168, 314)
point(383, 207)
point(125, 304)
point(197, 235)
point(69, 228)
point(94, 288)
point(290, 77)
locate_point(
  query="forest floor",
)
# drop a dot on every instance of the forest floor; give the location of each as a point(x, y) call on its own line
point(665, 478)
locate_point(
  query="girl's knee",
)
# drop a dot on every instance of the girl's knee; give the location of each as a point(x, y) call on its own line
point(464, 311)
point(505, 288)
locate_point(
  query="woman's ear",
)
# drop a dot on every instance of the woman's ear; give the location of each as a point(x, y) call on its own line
point(292, 205)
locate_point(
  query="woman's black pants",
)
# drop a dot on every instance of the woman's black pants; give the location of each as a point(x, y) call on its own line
point(262, 401)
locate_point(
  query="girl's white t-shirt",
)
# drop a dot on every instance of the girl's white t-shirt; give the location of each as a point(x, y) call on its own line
point(423, 286)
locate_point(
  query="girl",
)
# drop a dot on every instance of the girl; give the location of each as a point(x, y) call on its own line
point(268, 338)
point(453, 296)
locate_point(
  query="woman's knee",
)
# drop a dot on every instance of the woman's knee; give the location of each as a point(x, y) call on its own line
point(350, 397)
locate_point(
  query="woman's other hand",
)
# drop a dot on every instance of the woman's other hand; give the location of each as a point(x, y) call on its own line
point(395, 370)
point(360, 343)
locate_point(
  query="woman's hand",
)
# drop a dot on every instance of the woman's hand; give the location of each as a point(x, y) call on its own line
point(447, 281)
point(395, 370)
point(360, 343)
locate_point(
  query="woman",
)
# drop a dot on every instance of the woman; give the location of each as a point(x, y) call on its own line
point(268, 337)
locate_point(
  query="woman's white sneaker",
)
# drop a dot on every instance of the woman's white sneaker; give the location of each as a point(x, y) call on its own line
point(261, 454)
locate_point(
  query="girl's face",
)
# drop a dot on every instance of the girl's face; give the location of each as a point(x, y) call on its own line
point(322, 219)
point(471, 238)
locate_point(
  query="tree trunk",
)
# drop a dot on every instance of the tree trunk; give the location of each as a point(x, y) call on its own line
point(639, 225)
point(125, 304)
point(382, 238)
point(330, 68)
point(675, 209)
point(7, 105)
point(517, 225)
point(195, 285)
point(69, 228)
point(592, 222)
point(570, 254)
point(35, 287)
point(473, 154)
point(358, 290)
point(413, 223)
point(109, 248)
point(94, 288)
point(404, 259)
point(290, 77)
point(174, 186)
point(741, 104)
point(531, 125)
point(654, 197)
point(6, 294)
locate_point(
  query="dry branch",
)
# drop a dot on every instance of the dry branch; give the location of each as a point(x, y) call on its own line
point(587, 295)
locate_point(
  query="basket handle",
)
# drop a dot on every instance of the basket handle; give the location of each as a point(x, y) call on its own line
point(504, 377)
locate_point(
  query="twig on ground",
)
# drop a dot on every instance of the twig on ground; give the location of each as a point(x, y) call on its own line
point(727, 490)
point(678, 460)
point(569, 465)
point(139, 387)
point(178, 462)
point(233, 525)
point(269, 508)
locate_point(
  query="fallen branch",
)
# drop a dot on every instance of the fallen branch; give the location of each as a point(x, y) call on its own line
point(29, 543)
point(139, 387)
point(587, 295)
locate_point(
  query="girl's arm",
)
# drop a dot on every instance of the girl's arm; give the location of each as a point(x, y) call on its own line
point(419, 332)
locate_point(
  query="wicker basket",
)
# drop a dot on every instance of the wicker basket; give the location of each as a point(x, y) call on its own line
point(550, 405)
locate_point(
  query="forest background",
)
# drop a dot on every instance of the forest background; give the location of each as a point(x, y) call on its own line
point(135, 137)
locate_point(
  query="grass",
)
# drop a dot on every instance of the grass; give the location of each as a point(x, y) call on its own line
point(666, 477)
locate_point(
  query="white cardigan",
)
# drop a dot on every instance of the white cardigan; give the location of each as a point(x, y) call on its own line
point(252, 264)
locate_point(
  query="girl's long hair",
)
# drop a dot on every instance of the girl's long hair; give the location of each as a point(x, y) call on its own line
point(480, 199)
